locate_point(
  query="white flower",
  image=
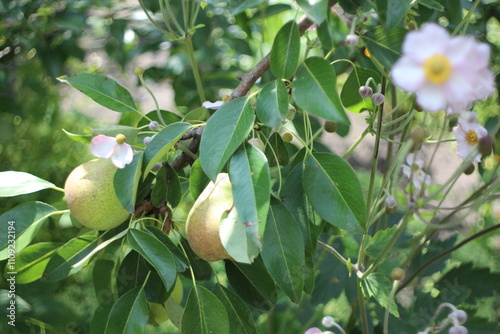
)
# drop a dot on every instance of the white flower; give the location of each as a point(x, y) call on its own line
point(445, 73)
point(115, 148)
point(468, 133)
point(413, 171)
point(212, 105)
point(328, 321)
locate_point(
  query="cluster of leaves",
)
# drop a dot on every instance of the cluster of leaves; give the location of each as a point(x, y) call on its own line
point(289, 194)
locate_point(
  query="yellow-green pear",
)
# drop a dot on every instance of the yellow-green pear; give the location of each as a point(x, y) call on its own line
point(91, 196)
point(202, 225)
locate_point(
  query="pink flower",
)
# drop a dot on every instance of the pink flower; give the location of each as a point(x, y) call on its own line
point(115, 148)
point(445, 73)
point(413, 171)
point(314, 330)
point(212, 105)
point(468, 133)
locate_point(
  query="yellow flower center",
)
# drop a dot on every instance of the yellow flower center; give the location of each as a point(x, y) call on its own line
point(437, 68)
point(471, 137)
point(120, 139)
point(415, 167)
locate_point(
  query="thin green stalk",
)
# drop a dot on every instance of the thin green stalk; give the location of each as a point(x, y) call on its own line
point(160, 117)
point(467, 18)
point(336, 253)
point(362, 308)
point(194, 66)
point(356, 143)
point(394, 289)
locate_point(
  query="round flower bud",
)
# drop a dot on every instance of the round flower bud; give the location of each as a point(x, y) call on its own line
point(156, 167)
point(120, 138)
point(365, 91)
point(287, 137)
point(485, 146)
point(469, 170)
point(328, 321)
point(378, 99)
point(390, 205)
point(458, 330)
point(153, 125)
point(139, 71)
point(352, 40)
point(147, 140)
point(314, 330)
point(397, 274)
point(331, 126)
point(460, 315)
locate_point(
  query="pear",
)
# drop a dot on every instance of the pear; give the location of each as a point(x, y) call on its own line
point(91, 197)
point(202, 225)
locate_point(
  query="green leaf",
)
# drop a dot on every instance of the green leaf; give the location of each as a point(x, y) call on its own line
point(225, 131)
point(385, 46)
point(272, 103)
point(432, 4)
point(102, 274)
point(126, 182)
point(392, 12)
point(286, 51)
point(378, 285)
point(19, 183)
point(161, 144)
point(315, 9)
point(201, 269)
point(156, 253)
point(315, 90)
point(60, 264)
point(180, 259)
point(204, 313)
point(22, 224)
point(376, 244)
point(103, 90)
point(283, 251)
point(350, 92)
point(332, 31)
point(129, 314)
point(240, 318)
point(86, 139)
point(31, 262)
point(253, 283)
point(198, 180)
point(168, 116)
point(335, 191)
point(251, 185)
point(276, 149)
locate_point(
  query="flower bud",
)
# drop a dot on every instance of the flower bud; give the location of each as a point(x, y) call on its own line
point(331, 126)
point(390, 205)
point(378, 99)
point(120, 138)
point(153, 125)
point(470, 169)
point(328, 321)
point(458, 330)
point(365, 91)
point(460, 315)
point(352, 40)
point(397, 274)
point(314, 330)
point(156, 167)
point(139, 71)
point(485, 146)
point(147, 140)
point(287, 137)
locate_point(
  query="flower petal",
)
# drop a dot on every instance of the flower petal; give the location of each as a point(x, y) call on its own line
point(212, 105)
point(123, 155)
point(429, 40)
point(408, 75)
point(431, 98)
point(102, 146)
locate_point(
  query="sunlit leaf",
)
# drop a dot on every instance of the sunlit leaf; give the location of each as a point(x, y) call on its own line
point(385, 46)
point(240, 317)
point(18, 183)
point(126, 182)
point(129, 314)
point(272, 103)
point(314, 9)
point(285, 51)
point(378, 285)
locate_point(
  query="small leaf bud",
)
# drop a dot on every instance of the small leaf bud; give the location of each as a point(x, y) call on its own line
point(378, 99)
point(397, 274)
point(156, 167)
point(485, 146)
point(328, 321)
point(287, 137)
point(153, 125)
point(139, 71)
point(365, 91)
point(458, 330)
point(147, 140)
point(331, 126)
point(352, 40)
point(470, 169)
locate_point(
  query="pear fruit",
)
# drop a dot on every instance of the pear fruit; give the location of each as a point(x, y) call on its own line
point(202, 225)
point(91, 197)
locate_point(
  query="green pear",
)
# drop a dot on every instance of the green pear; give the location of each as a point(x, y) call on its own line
point(91, 197)
point(202, 225)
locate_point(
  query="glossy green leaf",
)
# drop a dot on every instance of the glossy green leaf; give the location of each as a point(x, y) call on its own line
point(198, 114)
point(30, 263)
point(126, 181)
point(22, 224)
point(315, 90)
point(103, 90)
point(253, 283)
point(332, 31)
point(335, 191)
point(225, 131)
point(378, 285)
point(156, 253)
point(378, 242)
point(60, 264)
point(85, 139)
point(168, 117)
point(201, 269)
point(251, 185)
point(180, 259)
point(204, 313)
point(385, 46)
point(162, 142)
point(432, 4)
point(198, 180)
point(350, 92)
point(276, 151)
point(102, 275)
point(286, 51)
point(239, 6)
point(392, 12)
point(18, 183)
point(167, 187)
point(240, 318)
point(272, 103)
point(315, 9)
point(129, 314)
point(283, 251)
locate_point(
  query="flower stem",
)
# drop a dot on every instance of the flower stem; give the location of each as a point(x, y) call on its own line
point(196, 73)
point(362, 308)
point(394, 289)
